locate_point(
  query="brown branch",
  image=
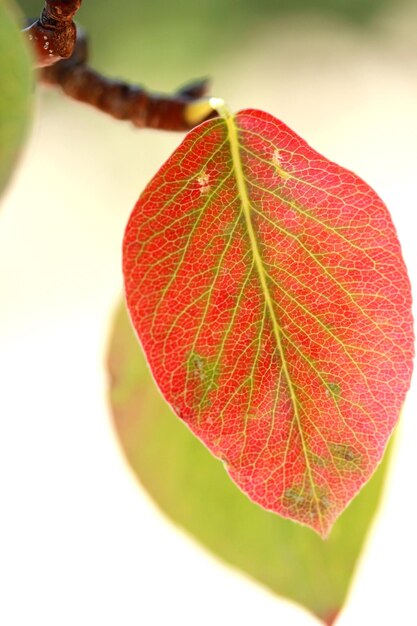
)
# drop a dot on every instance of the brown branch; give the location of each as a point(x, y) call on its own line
point(54, 34)
point(62, 55)
point(181, 111)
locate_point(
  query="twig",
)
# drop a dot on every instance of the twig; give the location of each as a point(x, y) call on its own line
point(180, 111)
point(54, 34)
point(62, 54)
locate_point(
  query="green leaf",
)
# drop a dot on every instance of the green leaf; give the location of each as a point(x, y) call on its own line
point(16, 90)
point(191, 487)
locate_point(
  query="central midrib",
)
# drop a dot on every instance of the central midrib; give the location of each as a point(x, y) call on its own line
point(246, 207)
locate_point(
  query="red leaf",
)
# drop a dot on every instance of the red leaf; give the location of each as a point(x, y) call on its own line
point(267, 287)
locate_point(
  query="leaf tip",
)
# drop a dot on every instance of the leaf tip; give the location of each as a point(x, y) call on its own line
point(331, 617)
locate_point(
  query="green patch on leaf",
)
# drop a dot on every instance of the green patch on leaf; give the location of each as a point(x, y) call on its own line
point(344, 456)
point(334, 389)
point(203, 373)
point(306, 501)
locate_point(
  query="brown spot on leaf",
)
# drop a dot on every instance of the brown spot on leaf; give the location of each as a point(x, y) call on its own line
point(344, 456)
point(306, 503)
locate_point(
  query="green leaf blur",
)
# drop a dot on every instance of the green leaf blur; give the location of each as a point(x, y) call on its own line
point(16, 90)
point(193, 489)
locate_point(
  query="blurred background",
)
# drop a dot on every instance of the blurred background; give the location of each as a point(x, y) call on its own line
point(80, 542)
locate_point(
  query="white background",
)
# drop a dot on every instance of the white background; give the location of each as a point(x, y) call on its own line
point(80, 542)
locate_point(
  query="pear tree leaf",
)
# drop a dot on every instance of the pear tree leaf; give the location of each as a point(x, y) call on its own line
point(267, 288)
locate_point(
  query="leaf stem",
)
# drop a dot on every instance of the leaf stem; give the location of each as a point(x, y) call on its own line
point(219, 105)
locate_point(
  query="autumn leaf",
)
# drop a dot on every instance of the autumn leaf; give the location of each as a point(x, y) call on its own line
point(267, 288)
